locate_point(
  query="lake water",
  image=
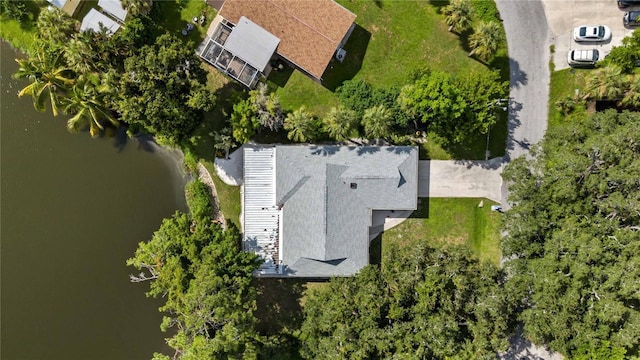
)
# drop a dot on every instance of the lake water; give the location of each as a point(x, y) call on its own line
point(73, 210)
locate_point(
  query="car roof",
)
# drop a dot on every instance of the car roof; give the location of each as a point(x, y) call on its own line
point(584, 55)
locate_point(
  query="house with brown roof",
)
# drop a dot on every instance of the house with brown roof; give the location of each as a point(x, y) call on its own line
point(247, 34)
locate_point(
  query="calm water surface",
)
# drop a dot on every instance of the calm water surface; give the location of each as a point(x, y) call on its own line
point(73, 210)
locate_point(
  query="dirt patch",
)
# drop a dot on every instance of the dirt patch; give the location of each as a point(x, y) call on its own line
point(205, 177)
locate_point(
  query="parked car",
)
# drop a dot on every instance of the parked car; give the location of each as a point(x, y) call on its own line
point(592, 33)
point(583, 58)
point(631, 18)
point(627, 3)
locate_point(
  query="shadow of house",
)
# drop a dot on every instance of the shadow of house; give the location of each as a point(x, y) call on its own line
point(356, 48)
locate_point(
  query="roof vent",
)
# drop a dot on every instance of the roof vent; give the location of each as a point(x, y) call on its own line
point(354, 185)
point(341, 54)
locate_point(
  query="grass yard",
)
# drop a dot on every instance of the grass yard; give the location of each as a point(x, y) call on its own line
point(228, 196)
point(440, 222)
point(20, 33)
point(173, 16)
point(392, 39)
point(564, 83)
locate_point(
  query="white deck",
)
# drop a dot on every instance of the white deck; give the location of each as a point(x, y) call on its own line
point(261, 215)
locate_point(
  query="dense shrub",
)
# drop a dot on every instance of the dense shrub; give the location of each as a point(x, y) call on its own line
point(198, 199)
point(358, 95)
point(625, 56)
point(485, 10)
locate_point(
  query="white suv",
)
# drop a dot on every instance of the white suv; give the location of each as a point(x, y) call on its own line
point(578, 58)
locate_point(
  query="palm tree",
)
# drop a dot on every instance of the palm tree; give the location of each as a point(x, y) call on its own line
point(136, 7)
point(377, 122)
point(55, 27)
point(605, 83)
point(301, 124)
point(458, 15)
point(223, 141)
point(48, 79)
point(79, 53)
point(632, 95)
point(339, 123)
point(486, 40)
point(87, 105)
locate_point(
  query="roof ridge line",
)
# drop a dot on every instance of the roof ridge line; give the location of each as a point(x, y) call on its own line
point(300, 20)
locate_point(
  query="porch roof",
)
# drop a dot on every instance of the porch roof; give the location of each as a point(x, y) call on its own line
point(252, 43)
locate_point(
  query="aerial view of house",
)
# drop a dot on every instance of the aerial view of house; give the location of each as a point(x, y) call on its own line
point(247, 35)
point(320, 179)
point(308, 209)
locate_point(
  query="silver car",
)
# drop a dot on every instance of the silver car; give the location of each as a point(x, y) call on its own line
point(583, 58)
point(592, 33)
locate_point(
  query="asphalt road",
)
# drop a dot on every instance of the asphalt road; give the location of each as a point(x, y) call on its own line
point(526, 26)
point(528, 40)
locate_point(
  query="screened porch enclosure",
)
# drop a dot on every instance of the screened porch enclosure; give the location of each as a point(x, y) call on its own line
point(242, 51)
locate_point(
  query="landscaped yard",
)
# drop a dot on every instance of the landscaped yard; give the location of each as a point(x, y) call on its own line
point(228, 196)
point(564, 84)
point(20, 32)
point(392, 39)
point(444, 221)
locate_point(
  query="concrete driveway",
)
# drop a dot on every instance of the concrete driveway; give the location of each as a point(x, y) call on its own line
point(564, 15)
point(442, 178)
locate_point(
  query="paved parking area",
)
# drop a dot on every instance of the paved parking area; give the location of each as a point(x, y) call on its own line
point(564, 15)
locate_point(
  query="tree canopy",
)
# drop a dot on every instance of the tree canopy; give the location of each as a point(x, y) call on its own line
point(626, 55)
point(424, 303)
point(163, 90)
point(205, 278)
point(455, 108)
point(573, 235)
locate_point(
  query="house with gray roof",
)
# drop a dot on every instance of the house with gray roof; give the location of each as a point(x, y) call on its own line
point(307, 210)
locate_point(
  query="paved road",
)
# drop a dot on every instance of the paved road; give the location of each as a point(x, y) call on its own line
point(525, 24)
point(528, 40)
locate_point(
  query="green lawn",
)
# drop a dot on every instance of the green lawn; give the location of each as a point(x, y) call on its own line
point(392, 39)
point(444, 221)
point(173, 16)
point(564, 83)
point(19, 33)
point(228, 196)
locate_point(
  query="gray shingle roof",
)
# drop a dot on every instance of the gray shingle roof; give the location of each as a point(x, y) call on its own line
point(327, 194)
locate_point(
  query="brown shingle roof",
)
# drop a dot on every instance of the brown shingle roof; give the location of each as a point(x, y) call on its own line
point(309, 30)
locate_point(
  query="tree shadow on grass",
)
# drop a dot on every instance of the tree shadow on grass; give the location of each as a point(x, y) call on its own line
point(215, 120)
point(356, 47)
point(439, 4)
point(279, 304)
